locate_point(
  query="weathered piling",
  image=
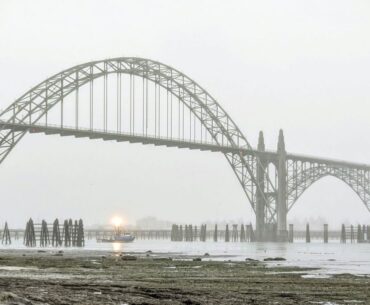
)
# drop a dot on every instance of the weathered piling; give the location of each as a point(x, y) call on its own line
point(215, 234)
point(252, 235)
point(242, 234)
point(44, 234)
point(56, 240)
point(181, 234)
point(227, 234)
point(29, 235)
point(368, 233)
point(67, 233)
point(186, 231)
point(74, 234)
point(291, 233)
point(80, 234)
point(203, 233)
point(235, 235)
point(191, 233)
point(6, 235)
point(360, 237)
point(326, 234)
point(308, 234)
point(343, 237)
point(364, 237)
point(352, 233)
point(173, 235)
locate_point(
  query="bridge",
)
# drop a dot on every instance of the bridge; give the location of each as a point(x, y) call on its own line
point(138, 100)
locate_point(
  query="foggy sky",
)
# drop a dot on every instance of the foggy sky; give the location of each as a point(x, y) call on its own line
point(303, 66)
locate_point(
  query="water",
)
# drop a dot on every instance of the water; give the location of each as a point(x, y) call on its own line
point(331, 258)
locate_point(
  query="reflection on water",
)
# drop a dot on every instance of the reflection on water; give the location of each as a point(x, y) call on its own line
point(117, 247)
point(332, 257)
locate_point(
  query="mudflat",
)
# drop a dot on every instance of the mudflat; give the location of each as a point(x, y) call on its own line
point(52, 277)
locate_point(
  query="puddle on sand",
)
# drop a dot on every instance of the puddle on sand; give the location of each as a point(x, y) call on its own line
point(16, 268)
point(316, 276)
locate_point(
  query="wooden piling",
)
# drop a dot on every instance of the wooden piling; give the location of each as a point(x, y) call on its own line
point(215, 234)
point(308, 234)
point(181, 234)
point(56, 240)
point(29, 236)
point(343, 236)
point(80, 234)
point(67, 233)
point(326, 234)
point(291, 233)
point(352, 234)
point(235, 234)
point(227, 234)
point(6, 235)
point(44, 234)
point(242, 234)
point(252, 235)
point(203, 233)
point(359, 234)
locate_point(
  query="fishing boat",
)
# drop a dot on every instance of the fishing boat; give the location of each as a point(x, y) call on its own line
point(118, 236)
point(122, 238)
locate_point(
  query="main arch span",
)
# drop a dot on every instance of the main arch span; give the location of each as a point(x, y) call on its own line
point(141, 100)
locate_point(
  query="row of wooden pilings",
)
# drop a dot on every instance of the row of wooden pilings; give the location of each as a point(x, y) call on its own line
point(361, 234)
point(190, 233)
point(70, 234)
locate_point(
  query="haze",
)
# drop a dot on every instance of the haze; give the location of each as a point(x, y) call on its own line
point(302, 66)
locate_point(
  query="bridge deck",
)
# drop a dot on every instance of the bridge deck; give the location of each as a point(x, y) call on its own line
point(171, 142)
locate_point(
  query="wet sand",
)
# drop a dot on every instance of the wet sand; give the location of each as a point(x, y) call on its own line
point(31, 277)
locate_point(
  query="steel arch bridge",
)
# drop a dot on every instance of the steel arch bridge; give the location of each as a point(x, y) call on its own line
point(148, 102)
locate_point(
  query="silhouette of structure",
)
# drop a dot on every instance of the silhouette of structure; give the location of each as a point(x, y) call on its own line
point(144, 101)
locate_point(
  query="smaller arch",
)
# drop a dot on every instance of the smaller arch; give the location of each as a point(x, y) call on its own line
point(356, 179)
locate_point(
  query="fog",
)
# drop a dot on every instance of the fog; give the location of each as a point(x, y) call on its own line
point(303, 66)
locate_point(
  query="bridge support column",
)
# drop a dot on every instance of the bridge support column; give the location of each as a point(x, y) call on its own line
point(260, 202)
point(281, 204)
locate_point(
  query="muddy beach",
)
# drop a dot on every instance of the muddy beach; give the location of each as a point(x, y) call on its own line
point(52, 277)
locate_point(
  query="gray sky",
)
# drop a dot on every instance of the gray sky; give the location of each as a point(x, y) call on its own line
point(303, 66)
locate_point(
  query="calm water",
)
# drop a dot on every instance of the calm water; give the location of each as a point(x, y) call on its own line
point(331, 258)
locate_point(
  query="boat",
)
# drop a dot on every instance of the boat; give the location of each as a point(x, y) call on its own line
point(118, 237)
point(125, 238)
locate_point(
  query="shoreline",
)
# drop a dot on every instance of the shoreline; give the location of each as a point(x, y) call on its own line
point(63, 277)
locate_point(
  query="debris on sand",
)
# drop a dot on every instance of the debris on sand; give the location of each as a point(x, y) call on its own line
point(248, 259)
point(9, 298)
point(274, 259)
point(129, 258)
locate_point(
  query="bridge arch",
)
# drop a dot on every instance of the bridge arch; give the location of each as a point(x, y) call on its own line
point(356, 179)
point(36, 103)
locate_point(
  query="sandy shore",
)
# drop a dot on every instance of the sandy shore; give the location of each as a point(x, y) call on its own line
point(31, 277)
